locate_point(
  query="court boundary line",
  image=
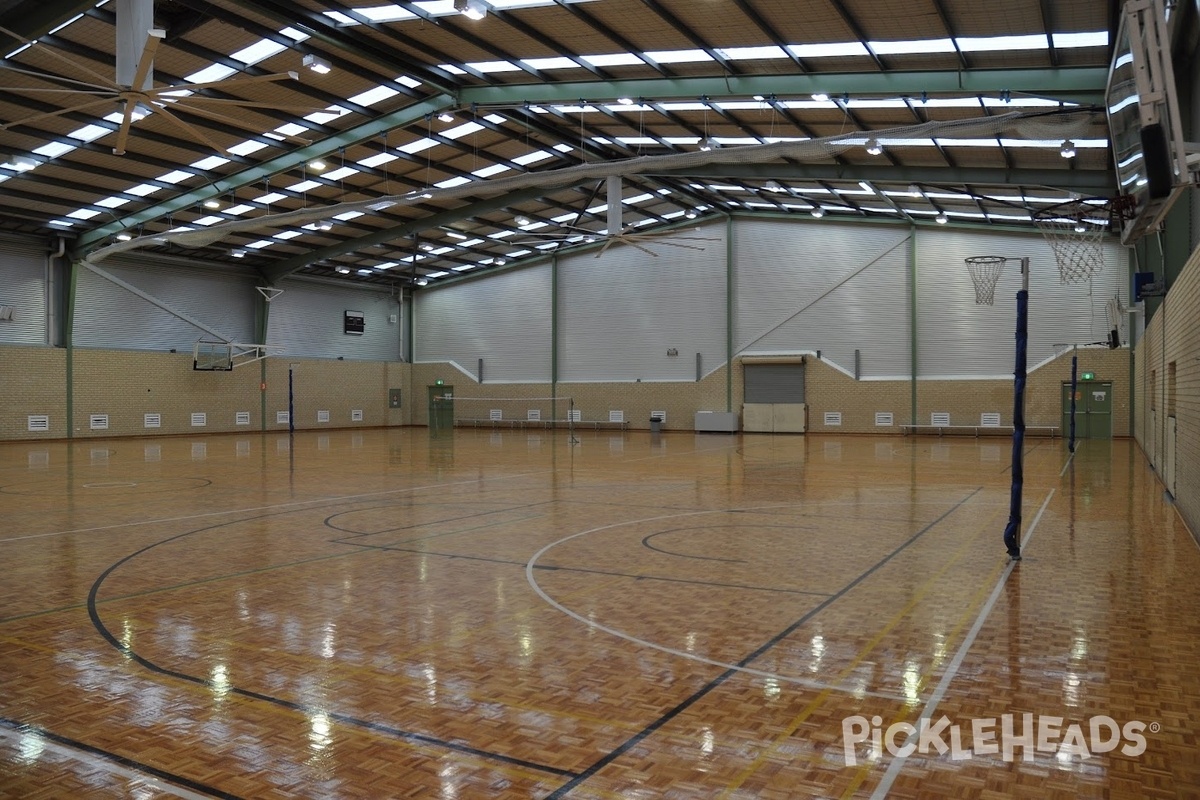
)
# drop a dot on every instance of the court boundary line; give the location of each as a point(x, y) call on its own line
point(1070, 458)
point(704, 690)
point(126, 767)
point(893, 771)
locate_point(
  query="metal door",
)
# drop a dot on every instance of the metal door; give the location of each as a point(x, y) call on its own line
point(441, 408)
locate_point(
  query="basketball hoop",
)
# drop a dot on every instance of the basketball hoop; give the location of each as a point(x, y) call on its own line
point(1075, 230)
point(985, 272)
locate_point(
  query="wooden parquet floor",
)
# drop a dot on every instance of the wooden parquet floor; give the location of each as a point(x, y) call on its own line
point(386, 614)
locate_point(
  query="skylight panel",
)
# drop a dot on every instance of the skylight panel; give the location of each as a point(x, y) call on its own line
point(561, 218)
point(748, 53)
point(269, 197)
point(387, 265)
point(613, 60)
point(142, 189)
point(683, 106)
point(112, 202)
point(519, 253)
point(206, 221)
point(502, 234)
point(373, 96)
point(341, 18)
point(452, 69)
point(641, 198)
point(303, 186)
point(213, 72)
point(532, 158)
point(246, 148)
point(912, 46)
point(471, 242)
point(1089, 39)
point(563, 148)
point(441, 251)
point(877, 103)
point(417, 146)
point(678, 56)
point(556, 62)
point(828, 50)
point(349, 215)
point(636, 140)
point(341, 172)
point(437, 274)
point(376, 160)
point(450, 183)
point(466, 267)
point(326, 115)
point(212, 162)
point(459, 131)
point(494, 169)
point(489, 67)
point(294, 35)
point(54, 149)
point(256, 52)
point(84, 213)
point(404, 80)
point(89, 133)
point(285, 235)
point(389, 13)
point(174, 176)
point(238, 210)
point(260, 244)
point(1032, 41)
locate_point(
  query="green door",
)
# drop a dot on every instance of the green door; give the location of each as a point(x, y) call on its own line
point(1093, 410)
point(441, 409)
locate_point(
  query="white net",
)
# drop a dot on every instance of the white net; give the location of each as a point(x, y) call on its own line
point(985, 273)
point(1075, 230)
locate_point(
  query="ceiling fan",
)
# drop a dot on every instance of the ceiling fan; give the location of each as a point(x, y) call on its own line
point(133, 89)
point(616, 232)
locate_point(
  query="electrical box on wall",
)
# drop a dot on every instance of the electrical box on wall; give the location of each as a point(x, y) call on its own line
point(393, 398)
point(355, 323)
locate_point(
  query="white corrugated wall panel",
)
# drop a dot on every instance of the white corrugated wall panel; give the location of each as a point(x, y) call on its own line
point(620, 313)
point(503, 319)
point(308, 320)
point(805, 286)
point(23, 286)
point(108, 315)
point(956, 337)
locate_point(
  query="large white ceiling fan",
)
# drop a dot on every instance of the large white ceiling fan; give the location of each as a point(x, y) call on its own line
point(132, 89)
point(616, 231)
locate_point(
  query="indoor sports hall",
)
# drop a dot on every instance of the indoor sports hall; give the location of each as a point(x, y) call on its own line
point(599, 399)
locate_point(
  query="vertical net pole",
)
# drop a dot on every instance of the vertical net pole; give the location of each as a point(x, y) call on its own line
point(1074, 391)
point(571, 421)
point(291, 404)
point(1012, 531)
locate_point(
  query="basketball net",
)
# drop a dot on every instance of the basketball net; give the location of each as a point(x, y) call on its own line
point(1075, 231)
point(985, 273)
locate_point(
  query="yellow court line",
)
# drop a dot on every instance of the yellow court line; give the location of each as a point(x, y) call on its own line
point(820, 699)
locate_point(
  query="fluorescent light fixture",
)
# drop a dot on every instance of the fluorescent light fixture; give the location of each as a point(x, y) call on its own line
point(942, 218)
point(521, 220)
point(427, 247)
point(238, 253)
point(212, 203)
point(1080, 227)
point(773, 186)
point(500, 262)
point(874, 147)
point(317, 64)
point(1068, 149)
point(709, 144)
point(422, 281)
point(471, 9)
point(123, 237)
point(818, 212)
point(317, 165)
point(445, 116)
point(690, 214)
point(344, 270)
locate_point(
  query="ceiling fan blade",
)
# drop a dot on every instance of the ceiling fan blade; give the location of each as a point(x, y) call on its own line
point(123, 131)
point(230, 101)
point(146, 62)
point(228, 82)
point(50, 51)
point(46, 76)
point(641, 247)
point(57, 112)
point(612, 185)
point(608, 242)
point(190, 129)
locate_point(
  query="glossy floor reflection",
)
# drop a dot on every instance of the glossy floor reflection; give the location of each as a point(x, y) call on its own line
point(507, 614)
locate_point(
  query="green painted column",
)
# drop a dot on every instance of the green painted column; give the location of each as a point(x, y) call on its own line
point(69, 341)
point(912, 320)
point(729, 279)
point(554, 336)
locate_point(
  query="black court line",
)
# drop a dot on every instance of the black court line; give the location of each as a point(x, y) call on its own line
point(355, 534)
point(1024, 453)
point(646, 543)
point(551, 568)
point(128, 763)
point(513, 521)
point(304, 708)
point(700, 693)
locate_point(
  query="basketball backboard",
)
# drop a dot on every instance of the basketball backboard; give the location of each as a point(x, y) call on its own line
point(1143, 118)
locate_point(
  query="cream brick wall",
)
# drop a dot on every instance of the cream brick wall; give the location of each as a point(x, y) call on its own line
point(127, 384)
point(1173, 337)
point(33, 380)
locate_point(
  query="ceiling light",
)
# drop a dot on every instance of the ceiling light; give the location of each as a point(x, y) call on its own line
point(625, 101)
point(1068, 149)
point(123, 237)
point(344, 270)
point(589, 239)
point(471, 9)
point(773, 186)
point(1080, 227)
point(238, 253)
point(212, 203)
point(317, 165)
point(709, 144)
point(521, 220)
point(445, 116)
point(500, 262)
point(942, 218)
point(820, 97)
point(317, 64)
point(23, 164)
point(428, 248)
point(818, 212)
point(422, 281)
point(874, 147)
point(324, 225)
point(690, 214)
